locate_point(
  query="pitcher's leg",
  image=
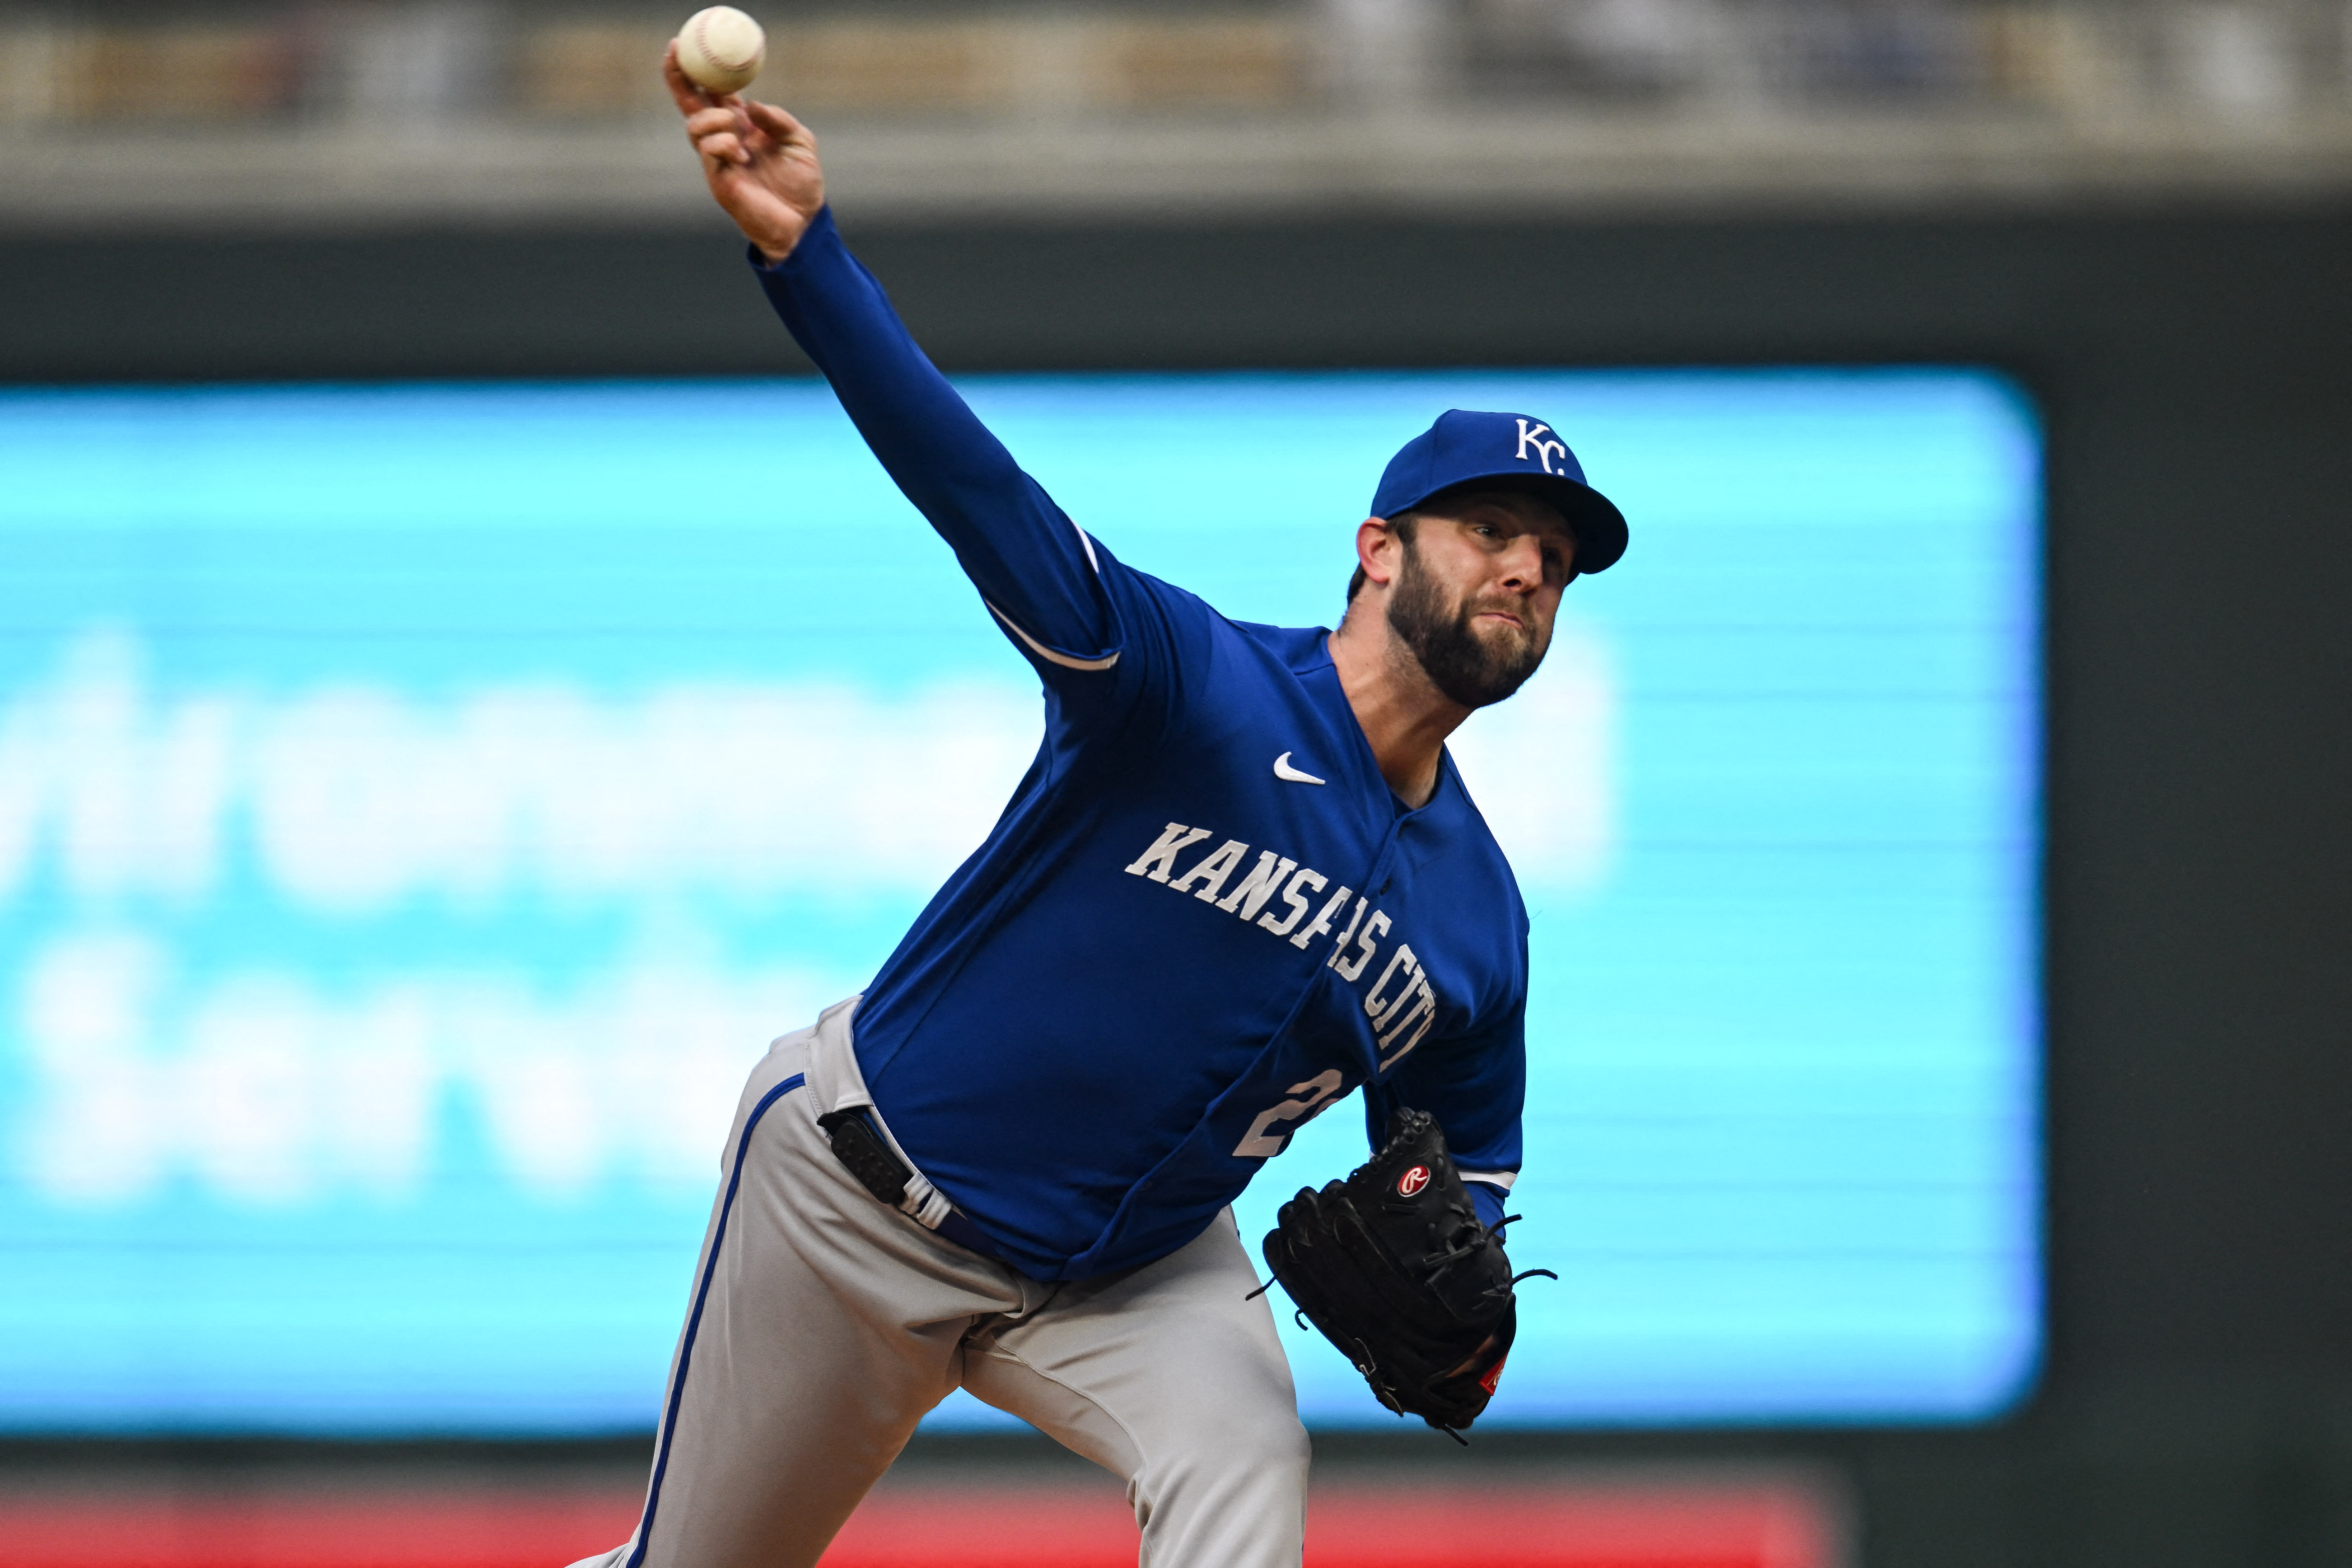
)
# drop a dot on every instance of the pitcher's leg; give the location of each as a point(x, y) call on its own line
point(1168, 1376)
point(822, 1327)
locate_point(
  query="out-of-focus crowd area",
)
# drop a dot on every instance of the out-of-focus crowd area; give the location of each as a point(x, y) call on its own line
point(1552, 98)
point(394, 62)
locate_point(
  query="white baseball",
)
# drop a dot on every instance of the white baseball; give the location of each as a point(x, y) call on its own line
point(721, 50)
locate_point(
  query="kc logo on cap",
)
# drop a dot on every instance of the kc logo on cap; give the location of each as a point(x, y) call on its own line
point(1515, 451)
point(1544, 449)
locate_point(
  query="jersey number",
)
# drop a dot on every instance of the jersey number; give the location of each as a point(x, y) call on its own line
point(1262, 1142)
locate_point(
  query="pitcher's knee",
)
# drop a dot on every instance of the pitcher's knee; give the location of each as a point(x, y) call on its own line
point(1236, 1501)
point(1266, 1454)
point(1283, 1448)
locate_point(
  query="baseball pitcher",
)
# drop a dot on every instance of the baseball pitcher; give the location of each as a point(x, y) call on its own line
point(1241, 880)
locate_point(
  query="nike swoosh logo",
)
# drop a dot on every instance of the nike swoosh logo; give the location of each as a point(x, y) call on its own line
point(1288, 775)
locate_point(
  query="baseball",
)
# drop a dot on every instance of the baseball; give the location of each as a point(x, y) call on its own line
point(721, 50)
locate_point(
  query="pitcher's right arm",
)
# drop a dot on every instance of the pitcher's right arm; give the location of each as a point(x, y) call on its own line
point(1037, 571)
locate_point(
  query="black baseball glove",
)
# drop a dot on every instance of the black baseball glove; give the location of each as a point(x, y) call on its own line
point(1394, 1269)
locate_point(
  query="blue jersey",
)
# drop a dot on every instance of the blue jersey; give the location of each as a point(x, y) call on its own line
point(1203, 918)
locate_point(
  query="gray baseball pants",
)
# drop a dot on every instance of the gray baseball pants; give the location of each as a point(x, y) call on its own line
point(824, 1324)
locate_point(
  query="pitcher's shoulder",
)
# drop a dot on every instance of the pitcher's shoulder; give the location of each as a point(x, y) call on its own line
point(1299, 649)
point(1464, 838)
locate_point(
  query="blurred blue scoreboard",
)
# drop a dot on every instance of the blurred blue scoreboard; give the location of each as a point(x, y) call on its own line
point(419, 805)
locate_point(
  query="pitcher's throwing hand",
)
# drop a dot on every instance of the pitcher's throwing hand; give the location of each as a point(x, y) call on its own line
point(761, 163)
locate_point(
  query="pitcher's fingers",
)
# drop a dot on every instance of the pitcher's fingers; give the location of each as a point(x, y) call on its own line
point(690, 98)
point(779, 124)
point(710, 122)
point(725, 147)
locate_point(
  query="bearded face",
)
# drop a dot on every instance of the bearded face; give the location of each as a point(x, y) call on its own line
point(1472, 663)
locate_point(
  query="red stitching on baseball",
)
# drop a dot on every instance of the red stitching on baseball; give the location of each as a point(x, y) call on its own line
point(703, 42)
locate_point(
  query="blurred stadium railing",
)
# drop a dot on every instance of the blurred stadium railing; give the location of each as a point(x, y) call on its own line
point(1694, 1518)
point(521, 109)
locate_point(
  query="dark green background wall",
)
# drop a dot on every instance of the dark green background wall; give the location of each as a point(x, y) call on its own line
point(2192, 368)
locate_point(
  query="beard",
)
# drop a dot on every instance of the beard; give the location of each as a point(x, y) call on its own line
point(1471, 668)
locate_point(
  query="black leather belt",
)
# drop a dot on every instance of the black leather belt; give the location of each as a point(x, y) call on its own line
point(859, 1146)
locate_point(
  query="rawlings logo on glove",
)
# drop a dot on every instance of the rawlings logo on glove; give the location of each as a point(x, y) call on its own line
point(1392, 1266)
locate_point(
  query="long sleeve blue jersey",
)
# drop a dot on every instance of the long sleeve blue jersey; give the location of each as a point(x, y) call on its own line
point(1203, 917)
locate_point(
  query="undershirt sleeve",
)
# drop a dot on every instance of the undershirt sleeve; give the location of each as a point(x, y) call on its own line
point(1489, 1200)
point(1037, 571)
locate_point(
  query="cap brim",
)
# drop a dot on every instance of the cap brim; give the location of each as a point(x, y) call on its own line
point(1600, 532)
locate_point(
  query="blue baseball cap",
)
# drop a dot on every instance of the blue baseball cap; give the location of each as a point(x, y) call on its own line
point(1504, 451)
